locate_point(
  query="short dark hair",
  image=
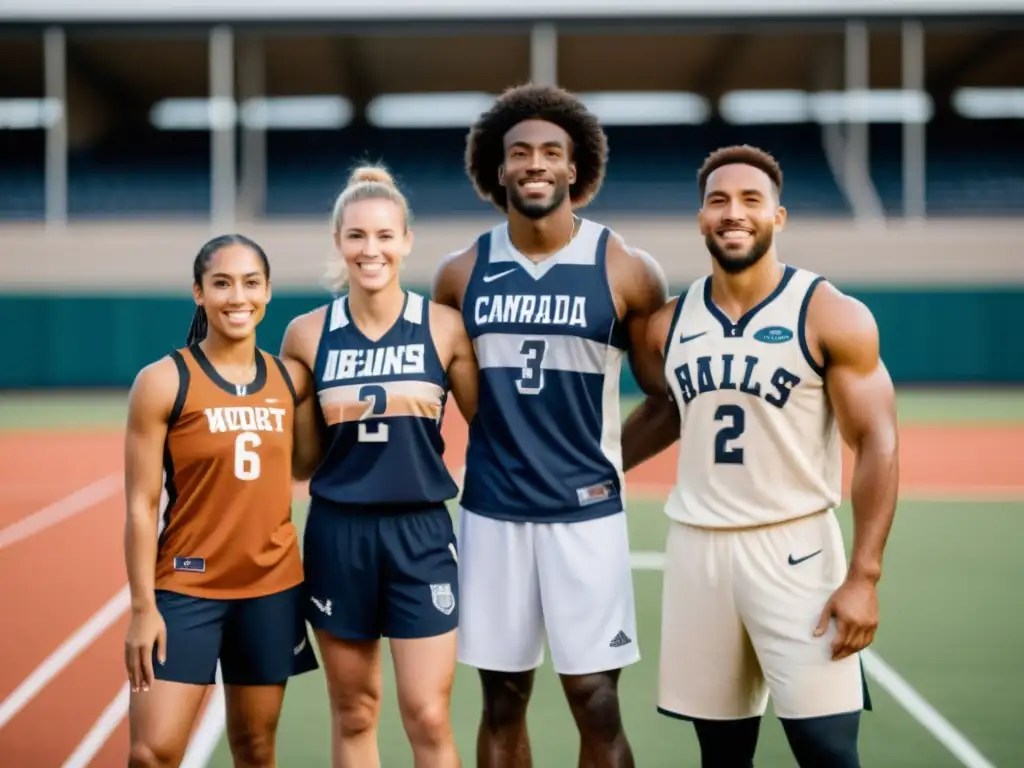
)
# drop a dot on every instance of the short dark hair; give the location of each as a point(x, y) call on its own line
point(485, 148)
point(740, 154)
point(198, 329)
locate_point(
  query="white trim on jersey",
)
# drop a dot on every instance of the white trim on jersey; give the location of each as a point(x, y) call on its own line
point(414, 308)
point(339, 317)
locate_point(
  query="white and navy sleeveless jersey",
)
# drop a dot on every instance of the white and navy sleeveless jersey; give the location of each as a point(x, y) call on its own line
point(759, 442)
point(545, 443)
point(382, 403)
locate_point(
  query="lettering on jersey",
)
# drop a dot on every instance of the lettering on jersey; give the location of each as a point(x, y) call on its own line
point(403, 359)
point(245, 418)
point(745, 376)
point(527, 309)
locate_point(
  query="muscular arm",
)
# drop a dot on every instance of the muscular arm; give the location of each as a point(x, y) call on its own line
point(298, 353)
point(149, 408)
point(641, 292)
point(864, 402)
point(452, 277)
point(654, 425)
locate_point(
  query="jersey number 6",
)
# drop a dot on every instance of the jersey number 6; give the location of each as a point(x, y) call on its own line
point(247, 461)
point(377, 397)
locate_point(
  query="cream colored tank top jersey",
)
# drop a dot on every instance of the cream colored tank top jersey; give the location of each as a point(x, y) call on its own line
point(759, 442)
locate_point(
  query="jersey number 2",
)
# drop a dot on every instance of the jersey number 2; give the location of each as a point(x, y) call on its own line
point(737, 423)
point(377, 397)
point(247, 461)
point(531, 382)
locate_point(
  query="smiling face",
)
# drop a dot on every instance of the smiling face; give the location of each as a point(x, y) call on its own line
point(538, 170)
point(739, 216)
point(373, 240)
point(234, 291)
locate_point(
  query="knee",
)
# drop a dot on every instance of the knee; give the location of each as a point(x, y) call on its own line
point(427, 722)
point(355, 713)
point(145, 754)
point(594, 700)
point(506, 696)
point(825, 741)
point(252, 748)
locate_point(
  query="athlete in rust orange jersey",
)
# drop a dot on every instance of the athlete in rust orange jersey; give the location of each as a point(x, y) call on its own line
point(212, 555)
point(228, 530)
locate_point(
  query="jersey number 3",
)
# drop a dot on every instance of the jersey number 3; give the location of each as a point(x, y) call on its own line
point(531, 380)
point(377, 397)
point(737, 422)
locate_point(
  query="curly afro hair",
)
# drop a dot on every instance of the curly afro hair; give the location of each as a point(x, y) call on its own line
point(485, 149)
point(740, 154)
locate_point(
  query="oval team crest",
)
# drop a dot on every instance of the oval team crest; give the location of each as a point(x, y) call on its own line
point(443, 598)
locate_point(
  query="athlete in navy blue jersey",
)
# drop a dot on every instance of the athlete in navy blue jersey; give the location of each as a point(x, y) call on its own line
point(379, 547)
point(553, 303)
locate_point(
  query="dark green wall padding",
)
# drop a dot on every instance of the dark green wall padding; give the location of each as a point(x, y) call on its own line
point(929, 336)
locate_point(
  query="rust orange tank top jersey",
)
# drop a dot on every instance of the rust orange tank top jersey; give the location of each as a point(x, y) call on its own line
point(226, 528)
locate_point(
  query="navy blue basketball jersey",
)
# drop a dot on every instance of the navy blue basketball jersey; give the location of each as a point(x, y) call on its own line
point(382, 402)
point(545, 444)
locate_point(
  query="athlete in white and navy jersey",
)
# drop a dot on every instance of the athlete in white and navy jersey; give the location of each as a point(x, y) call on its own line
point(770, 367)
point(552, 303)
point(379, 546)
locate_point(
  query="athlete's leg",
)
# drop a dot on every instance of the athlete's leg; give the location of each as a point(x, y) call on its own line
point(424, 673)
point(161, 719)
point(353, 672)
point(727, 743)
point(422, 599)
point(502, 740)
point(253, 712)
point(586, 588)
point(501, 630)
point(265, 643)
point(342, 566)
point(594, 702)
point(788, 573)
point(709, 673)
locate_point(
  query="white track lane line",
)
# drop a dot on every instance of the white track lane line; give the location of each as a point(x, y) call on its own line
point(61, 510)
point(68, 651)
point(101, 730)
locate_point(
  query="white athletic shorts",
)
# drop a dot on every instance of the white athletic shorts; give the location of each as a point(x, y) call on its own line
point(739, 610)
point(518, 580)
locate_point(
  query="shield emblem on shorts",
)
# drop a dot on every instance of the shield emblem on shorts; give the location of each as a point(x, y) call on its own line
point(443, 598)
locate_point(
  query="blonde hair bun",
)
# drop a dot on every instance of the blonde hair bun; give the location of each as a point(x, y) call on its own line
point(373, 174)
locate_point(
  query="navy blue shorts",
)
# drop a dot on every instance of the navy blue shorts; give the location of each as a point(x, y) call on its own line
point(258, 640)
point(387, 572)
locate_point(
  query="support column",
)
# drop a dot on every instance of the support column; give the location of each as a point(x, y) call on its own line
point(544, 54)
point(914, 132)
point(55, 110)
point(223, 112)
point(251, 87)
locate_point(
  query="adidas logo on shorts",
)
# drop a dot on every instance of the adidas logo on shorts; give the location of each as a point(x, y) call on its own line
point(620, 640)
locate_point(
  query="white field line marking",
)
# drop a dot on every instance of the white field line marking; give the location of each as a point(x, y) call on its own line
point(97, 736)
point(915, 705)
point(211, 727)
point(61, 510)
point(67, 652)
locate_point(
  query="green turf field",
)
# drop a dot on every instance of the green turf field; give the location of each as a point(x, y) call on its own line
point(950, 618)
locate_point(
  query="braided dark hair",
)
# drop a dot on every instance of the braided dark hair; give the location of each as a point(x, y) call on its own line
point(200, 326)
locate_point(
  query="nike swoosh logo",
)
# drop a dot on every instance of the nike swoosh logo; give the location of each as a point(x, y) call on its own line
point(492, 278)
point(798, 560)
point(684, 339)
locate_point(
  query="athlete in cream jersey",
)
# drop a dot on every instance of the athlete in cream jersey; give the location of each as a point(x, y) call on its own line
point(768, 365)
point(759, 443)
